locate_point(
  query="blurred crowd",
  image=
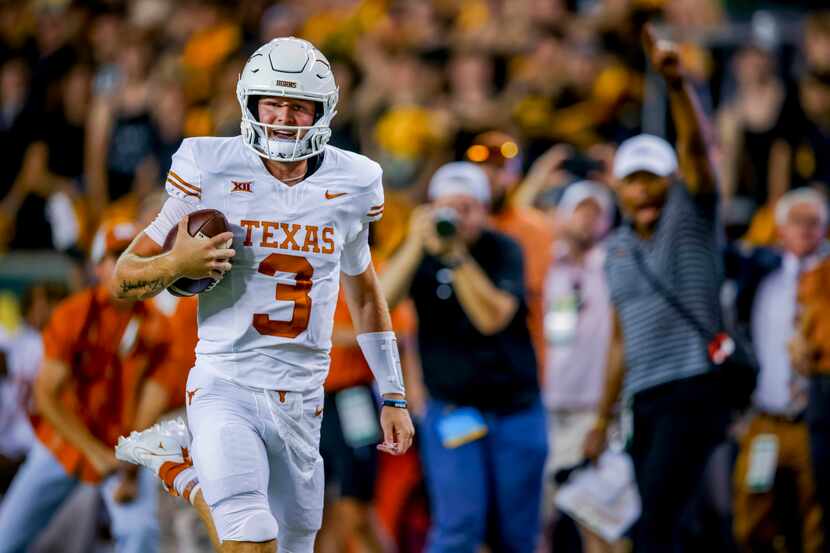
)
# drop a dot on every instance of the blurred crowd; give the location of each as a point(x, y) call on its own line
point(95, 97)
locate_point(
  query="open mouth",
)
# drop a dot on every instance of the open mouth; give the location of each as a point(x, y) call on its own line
point(649, 211)
point(650, 205)
point(282, 134)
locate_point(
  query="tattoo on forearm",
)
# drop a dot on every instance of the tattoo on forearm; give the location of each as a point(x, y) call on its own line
point(142, 286)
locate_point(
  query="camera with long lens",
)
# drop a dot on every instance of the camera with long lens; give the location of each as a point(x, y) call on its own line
point(446, 222)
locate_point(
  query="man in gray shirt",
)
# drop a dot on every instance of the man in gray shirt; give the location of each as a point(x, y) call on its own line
point(656, 358)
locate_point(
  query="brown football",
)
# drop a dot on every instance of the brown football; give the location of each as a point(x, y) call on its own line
point(205, 223)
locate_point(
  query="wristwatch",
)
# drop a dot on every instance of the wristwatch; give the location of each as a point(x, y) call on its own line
point(397, 403)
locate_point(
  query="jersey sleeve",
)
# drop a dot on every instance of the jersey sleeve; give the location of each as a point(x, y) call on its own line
point(371, 204)
point(367, 207)
point(184, 178)
point(171, 213)
point(356, 254)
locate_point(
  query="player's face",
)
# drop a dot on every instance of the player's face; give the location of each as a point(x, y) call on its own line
point(290, 112)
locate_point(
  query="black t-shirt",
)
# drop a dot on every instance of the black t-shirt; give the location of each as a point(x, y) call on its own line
point(65, 142)
point(809, 142)
point(132, 140)
point(461, 365)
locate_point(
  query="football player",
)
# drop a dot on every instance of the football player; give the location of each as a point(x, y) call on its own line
point(299, 212)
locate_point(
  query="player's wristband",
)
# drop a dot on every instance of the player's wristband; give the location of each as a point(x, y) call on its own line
point(398, 403)
point(381, 352)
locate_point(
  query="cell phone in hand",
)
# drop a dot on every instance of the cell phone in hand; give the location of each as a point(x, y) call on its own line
point(581, 166)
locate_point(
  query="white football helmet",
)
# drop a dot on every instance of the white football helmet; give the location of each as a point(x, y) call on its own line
point(292, 68)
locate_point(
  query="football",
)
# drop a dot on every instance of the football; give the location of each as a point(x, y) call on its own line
point(204, 224)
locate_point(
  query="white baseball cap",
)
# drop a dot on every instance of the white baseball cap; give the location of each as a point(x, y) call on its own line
point(580, 191)
point(460, 178)
point(112, 239)
point(645, 152)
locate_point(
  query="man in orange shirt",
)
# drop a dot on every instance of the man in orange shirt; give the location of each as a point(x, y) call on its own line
point(349, 433)
point(498, 154)
point(99, 376)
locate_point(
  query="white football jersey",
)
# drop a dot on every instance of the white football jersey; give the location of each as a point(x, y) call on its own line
point(268, 323)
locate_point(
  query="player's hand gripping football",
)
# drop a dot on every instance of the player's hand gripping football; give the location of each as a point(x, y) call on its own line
point(398, 431)
point(199, 258)
point(663, 55)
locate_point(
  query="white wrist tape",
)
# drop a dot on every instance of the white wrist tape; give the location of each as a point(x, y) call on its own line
point(381, 352)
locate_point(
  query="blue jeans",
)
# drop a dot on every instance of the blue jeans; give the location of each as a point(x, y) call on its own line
point(42, 485)
point(495, 480)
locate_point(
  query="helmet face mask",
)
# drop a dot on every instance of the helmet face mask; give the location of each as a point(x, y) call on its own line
point(289, 68)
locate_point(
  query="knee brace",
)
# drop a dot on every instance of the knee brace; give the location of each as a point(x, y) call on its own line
point(296, 540)
point(244, 517)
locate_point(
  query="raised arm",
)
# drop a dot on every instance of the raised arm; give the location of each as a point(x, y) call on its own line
point(399, 271)
point(693, 149)
point(98, 129)
point(545, 173)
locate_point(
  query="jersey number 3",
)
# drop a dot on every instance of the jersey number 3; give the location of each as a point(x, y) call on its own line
point(298, 293)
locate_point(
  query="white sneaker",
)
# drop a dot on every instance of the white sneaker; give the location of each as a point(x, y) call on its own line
point(162, 448)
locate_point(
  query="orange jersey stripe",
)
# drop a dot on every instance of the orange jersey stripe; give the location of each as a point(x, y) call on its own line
point(183, 189)
point(184, 182)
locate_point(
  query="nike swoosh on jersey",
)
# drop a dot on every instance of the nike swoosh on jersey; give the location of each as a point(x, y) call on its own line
point(333, 195)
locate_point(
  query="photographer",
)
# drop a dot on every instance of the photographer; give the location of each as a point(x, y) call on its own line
point(484, 428)
point(500, 157)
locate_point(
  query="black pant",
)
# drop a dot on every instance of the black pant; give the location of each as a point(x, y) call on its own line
point(818, 424)
point(353, 469)
point(676, 427)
